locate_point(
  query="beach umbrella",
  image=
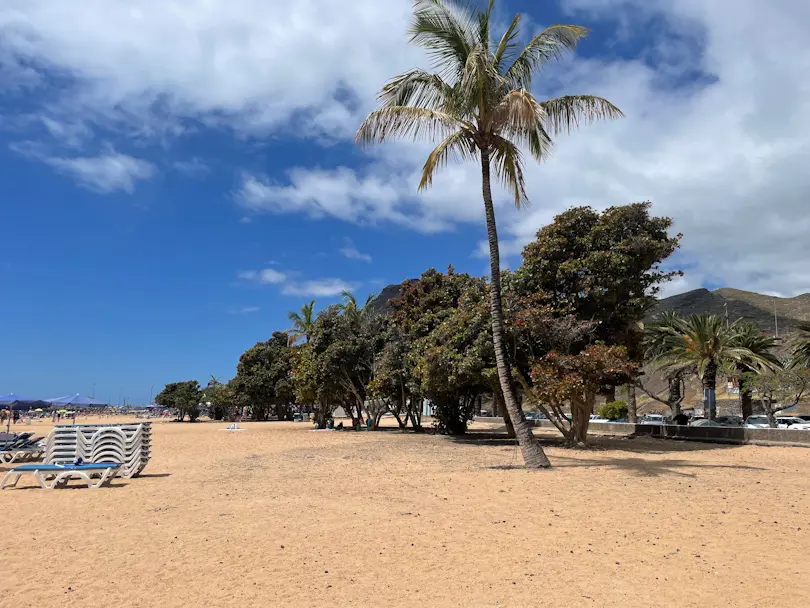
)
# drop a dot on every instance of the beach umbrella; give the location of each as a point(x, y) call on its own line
point(39, 409)
point(23, 400)
point(77, 399)
point(18, 402)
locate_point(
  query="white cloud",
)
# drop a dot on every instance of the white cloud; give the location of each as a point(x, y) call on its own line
point(309, 288)
point(349, 251)
point(245, 220)
point(147, 66)
point(245, 310)
point(318, 288)
point(106, 173)
point(726, 155)
point(266, 276)
point(716, 134)
point(194, 168)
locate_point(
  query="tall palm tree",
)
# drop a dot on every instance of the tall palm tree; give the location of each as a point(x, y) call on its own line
point(800, 352)
point(349, 305)
point(704, 343)
point(760, 356)
point(302, 322)
point(657, 339)
point(479, 102)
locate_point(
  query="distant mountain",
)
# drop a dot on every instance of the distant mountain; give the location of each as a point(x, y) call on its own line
point(748, 305)
point(380, 303)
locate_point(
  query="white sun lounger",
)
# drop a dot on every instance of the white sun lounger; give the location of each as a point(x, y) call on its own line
point(51, 475)
point(20, 455)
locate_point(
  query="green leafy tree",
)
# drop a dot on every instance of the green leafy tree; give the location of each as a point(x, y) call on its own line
point(393, 378)
point(800, 348)
point(310, 386)
point(479, 102)
point(302, 322)
point(263, 379)
point(614, 410)
point(344, 343)
point(758, 354)
point(182, 396)
point(454, 363)
point(220, 400)
point(705, 343)
point(657, 338)
point(777, 388)
point(560, 380)
point(604, 267)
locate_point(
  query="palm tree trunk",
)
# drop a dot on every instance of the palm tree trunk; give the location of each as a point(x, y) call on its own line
point(533, 455)
point(632, 410)
point(746, 397)
point(674, 397)
point(709, 387)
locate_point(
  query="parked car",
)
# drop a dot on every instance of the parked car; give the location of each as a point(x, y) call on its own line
point(757, 422)
point(705, 422)
point(761, 422)
point(535, 416)
point(729, 420)
point(793, 422)
point(653, 419)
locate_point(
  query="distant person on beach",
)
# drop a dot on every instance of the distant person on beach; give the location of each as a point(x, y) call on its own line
point(681, 419)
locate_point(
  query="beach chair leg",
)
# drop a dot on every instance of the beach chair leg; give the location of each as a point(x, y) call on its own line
point(106, 477)
point(10, 479)
point(42, 482)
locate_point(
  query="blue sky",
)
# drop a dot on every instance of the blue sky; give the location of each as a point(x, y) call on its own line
point(177, 176)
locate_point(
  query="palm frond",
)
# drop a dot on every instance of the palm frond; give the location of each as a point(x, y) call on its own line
point(459, 144)
point(448, 34)
point(565, 113)
point(420, 89)
point(552, 43)
point(800, 349)
point(404, 122)
point(520, 117)
point(506, 46)
point(484, 26)
point(508, 163)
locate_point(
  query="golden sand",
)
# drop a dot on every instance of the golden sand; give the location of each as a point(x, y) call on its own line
point(279, 515)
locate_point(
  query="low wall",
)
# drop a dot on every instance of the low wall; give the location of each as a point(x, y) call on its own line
point(726, 434)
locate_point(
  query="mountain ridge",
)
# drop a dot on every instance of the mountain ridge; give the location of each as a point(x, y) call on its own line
point(737, 303)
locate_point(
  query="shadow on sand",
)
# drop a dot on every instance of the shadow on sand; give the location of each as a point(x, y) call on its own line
point(598, 444)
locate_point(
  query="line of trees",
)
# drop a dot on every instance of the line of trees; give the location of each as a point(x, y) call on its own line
point(572, 314)
point(704, 346)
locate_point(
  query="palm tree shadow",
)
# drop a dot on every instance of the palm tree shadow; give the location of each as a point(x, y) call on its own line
point(642, 467)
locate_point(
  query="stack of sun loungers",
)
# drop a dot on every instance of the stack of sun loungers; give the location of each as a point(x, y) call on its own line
point(19, 448)
point(128, 444)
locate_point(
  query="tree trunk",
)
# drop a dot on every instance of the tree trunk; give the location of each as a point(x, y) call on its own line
point(709, 387)
point(674, 397)
point(497, 398)
point(632, 412)
point(580, 420)
point(533, 455)
point(746, 403)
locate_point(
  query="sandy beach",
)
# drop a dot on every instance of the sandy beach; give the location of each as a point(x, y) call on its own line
point(279, 515)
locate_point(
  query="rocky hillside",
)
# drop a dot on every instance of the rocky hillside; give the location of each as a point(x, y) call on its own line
point(748, 305)
point(754, 307)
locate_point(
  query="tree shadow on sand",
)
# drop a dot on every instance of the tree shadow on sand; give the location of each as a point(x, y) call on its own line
point(642, 467)
point(636, 444)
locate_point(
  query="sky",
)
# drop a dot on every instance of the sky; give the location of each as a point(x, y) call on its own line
point(177, 175)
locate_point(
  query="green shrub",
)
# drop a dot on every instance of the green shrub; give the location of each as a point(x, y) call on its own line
point(613, 410)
